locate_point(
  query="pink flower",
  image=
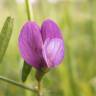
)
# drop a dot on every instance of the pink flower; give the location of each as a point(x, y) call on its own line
point(41, 47)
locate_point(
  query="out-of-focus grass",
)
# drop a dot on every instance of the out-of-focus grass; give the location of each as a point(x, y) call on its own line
point(76, 75)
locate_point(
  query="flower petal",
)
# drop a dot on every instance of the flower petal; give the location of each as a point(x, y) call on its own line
point(53, 51)
point(30, 44)
point(50, 29)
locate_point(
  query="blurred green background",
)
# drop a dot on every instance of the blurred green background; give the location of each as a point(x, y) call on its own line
point(76, 76)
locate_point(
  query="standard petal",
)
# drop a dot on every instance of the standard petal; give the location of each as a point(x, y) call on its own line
point(30, 43)
point(50, 29)
point(53, 51)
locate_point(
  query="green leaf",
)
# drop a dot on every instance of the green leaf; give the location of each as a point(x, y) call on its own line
point(5, 36)
point(25, 71)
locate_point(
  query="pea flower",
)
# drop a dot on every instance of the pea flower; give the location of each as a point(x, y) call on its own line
point(41, 47)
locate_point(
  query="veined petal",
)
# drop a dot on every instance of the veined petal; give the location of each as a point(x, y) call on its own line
point(30, 44)
point(53, 51)
point(50, 29)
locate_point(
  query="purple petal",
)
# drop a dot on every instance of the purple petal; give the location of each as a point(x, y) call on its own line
point(53, 51)
point(30, 44)
point(50, 30)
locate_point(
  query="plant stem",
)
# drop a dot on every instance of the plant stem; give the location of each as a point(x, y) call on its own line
point(17, 84)
point(29, 9)
point(39, 88)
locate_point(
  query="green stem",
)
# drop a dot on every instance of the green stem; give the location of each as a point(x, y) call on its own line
point(17, 84)
point(39, 88)
point(29, 9)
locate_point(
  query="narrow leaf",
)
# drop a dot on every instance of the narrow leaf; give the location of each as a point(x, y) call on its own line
point(5, 36)
point(25, 71)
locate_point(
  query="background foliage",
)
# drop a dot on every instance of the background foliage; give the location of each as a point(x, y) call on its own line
point(76, 76)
